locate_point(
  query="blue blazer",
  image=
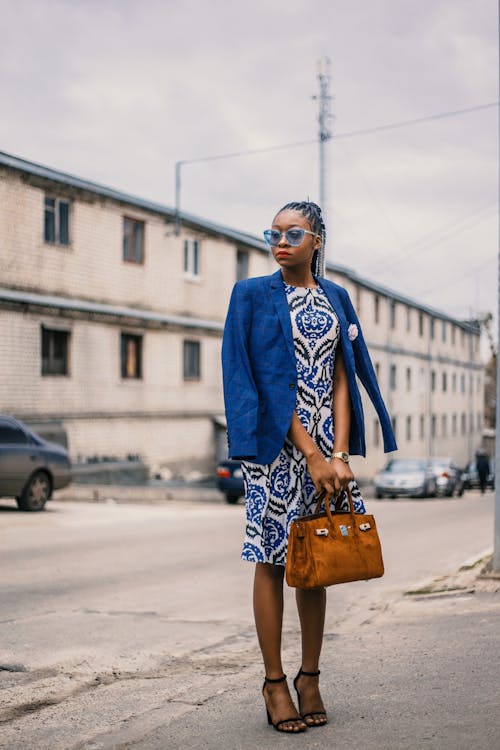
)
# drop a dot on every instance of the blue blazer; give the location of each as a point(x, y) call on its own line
point(260, 375)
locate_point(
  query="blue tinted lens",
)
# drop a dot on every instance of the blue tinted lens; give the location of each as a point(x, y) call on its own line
point(272, 236)
point(294, 236)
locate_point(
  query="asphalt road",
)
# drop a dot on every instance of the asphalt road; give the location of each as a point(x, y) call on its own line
point(129, 619)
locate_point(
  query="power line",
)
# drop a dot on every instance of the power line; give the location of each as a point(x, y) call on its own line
point(349, 134)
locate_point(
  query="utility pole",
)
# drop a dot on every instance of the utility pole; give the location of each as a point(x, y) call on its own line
point(324, 133)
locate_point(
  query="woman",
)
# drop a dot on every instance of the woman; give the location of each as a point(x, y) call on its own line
point(291, 351)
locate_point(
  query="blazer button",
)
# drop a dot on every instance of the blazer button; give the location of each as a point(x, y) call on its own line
point(292, 386)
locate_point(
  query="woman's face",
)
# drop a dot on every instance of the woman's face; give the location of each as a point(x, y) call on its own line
point(294, 257)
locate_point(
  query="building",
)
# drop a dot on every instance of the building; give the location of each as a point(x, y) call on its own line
point(111, 325)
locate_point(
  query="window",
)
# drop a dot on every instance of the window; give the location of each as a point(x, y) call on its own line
point(408, 428)
point(408, 318)
point(55, 352)
point(462, 383)
point(56, 220)
point(420, 324)
point(453, 332)
point(471, 422)
point(454, 424)
point(377, 370)
point(433, 380)
point(443, 330)
point(479, 422)
point(463, 425)
point(433, 426)
point(392, 376)
point(445, 381)
point(192, 257)
point(241, 265)
point(392, 314)
point(191, 360)
point(470, 383)
point(10, 434)
point(431, 327)
point(408, 379)
point(394, 423)
point(422, 380)
point(422, 427)
point(133, 240)
point(358, 300)
point(444, 425)
point(454, 382)
point(376, 433)
point(131, 356)
point(376, 308)
point(478, 383)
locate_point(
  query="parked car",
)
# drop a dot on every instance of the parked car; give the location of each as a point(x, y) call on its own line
point(413, 477)
point(470, 478)
point(448, 476)
point(30, 467)
point(230, 480)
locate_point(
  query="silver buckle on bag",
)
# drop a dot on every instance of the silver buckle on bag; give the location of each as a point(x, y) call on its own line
point(364, 526)
point(321, 532)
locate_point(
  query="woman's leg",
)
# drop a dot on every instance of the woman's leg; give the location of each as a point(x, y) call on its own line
point(268, 612)
point(311, 605)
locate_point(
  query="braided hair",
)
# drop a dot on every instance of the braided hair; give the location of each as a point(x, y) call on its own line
point(312, 212)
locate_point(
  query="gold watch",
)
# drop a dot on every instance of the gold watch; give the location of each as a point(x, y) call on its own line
point(343, 455)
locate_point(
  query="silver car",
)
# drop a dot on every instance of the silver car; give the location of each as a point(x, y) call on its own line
point(412, 477)
point(30, 467)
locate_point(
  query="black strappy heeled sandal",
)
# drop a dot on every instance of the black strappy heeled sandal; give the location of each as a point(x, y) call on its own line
point(310, 713)
point(279, 723)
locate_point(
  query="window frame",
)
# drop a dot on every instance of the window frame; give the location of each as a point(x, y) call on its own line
point(195, 346)
point(58, 202)
point(192, 259)
point(130, 235)
point(137, 338)
point(47, 338)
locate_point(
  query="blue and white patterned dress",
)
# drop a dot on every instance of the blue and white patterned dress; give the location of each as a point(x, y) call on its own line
point(278, 493)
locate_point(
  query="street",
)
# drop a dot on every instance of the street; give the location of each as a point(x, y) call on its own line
point(119, 621)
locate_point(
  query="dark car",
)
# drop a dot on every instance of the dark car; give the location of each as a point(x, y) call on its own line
point(470, 477)
point(30, 467)
point(413, 477)
point(447, 475)
point(230, 480)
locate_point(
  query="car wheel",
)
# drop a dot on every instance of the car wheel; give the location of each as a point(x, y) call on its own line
point(36, 493)
point(379, 495)
point(232, 499)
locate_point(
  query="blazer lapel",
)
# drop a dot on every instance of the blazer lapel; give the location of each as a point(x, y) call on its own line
point(278, 296)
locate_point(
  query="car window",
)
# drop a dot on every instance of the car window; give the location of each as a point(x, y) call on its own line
point(401, 465)
point(11, 435)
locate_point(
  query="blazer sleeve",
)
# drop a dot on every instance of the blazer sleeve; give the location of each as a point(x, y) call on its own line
point(367, 375)
point(240, 392)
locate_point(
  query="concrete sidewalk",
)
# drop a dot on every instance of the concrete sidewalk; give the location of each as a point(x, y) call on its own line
point(421, 672)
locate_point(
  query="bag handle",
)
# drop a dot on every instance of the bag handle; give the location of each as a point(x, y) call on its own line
point(326, 502)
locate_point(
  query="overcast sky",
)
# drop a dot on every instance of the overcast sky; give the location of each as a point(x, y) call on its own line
point(118, 91)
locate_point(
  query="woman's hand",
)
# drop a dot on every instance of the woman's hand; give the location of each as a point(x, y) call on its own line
point(329, 477)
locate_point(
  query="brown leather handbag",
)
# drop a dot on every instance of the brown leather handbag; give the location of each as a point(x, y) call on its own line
point(327, 548)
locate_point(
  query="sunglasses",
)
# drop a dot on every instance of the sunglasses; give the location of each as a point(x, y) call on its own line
point(293, 237)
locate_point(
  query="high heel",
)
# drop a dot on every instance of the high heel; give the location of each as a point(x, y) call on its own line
point(309, 713)
point(278, 724)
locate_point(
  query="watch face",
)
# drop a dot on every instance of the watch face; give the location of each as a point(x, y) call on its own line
point(345, 457)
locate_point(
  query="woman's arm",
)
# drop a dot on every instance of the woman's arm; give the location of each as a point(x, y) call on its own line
point(341, 417)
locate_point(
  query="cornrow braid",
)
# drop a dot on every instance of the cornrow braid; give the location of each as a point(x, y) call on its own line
point(312, 212)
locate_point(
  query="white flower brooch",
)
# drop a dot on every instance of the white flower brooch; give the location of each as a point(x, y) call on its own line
point(352, 332)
